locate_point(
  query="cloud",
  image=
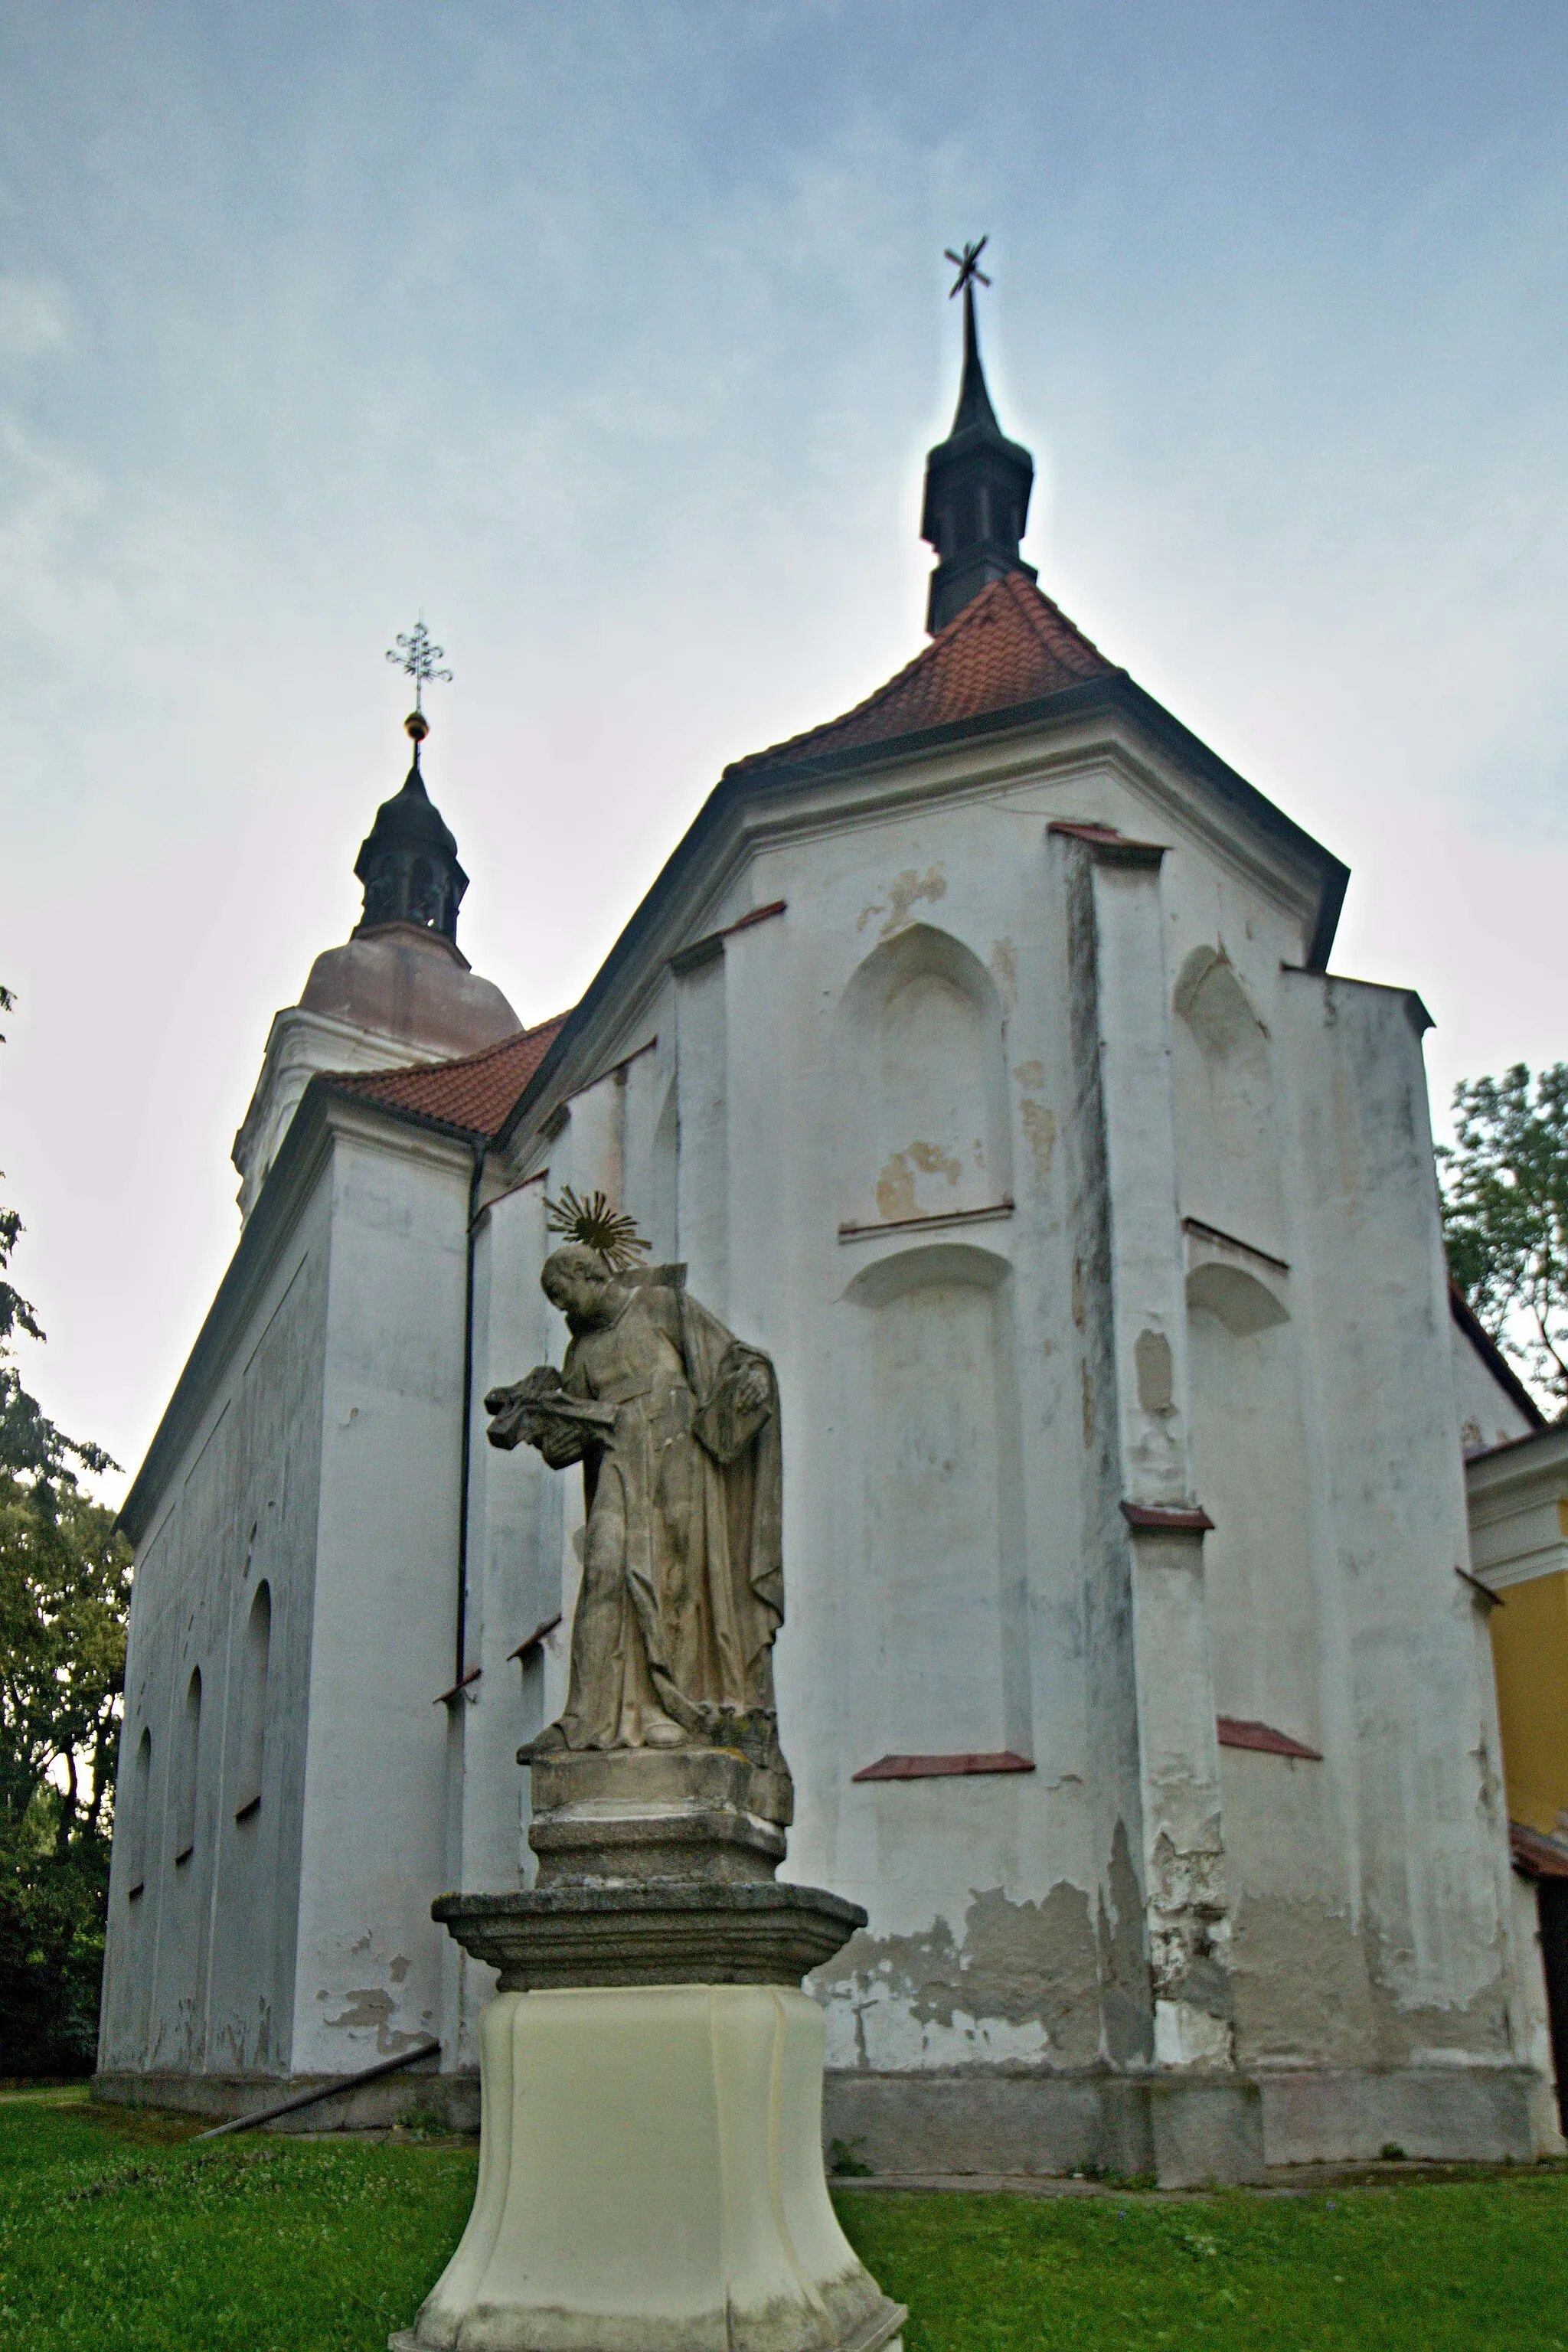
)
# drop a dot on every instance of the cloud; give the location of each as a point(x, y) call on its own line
point(35, 319)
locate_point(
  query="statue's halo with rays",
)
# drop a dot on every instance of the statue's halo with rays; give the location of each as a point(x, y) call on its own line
point(609, 1232)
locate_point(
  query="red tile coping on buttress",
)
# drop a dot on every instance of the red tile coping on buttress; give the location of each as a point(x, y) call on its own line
point(1234, 1731)
point(942, 1768)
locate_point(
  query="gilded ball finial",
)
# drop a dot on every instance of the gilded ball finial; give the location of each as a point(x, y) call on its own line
point(417, 725)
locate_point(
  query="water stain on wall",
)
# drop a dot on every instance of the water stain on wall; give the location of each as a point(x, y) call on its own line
point(1128, 2014)
point(1005, 972)
point(1040, 1128)
point(904, 891)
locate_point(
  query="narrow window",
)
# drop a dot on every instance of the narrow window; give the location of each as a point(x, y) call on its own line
point(140, 1795)
point(190, 1759)
point(253, 1704)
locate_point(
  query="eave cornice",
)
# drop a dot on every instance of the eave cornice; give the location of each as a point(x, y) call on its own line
point(325, 1113)
point(758, 798)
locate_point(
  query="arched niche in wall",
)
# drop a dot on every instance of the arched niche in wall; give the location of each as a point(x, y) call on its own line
point(140, 1796)
point(189, 1769)
point(1251, 1466)
point(1231, 1171)
point(938, 1587)
point(1236, 1297)
point(657, 1186)
point(250, 1761)
point(922, 1114)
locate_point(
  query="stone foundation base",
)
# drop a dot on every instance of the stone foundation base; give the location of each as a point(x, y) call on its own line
point(450, 2102)
point(650, 2180)
point(1179, 2131)
point(1475, 2115)
point(1001, 2124)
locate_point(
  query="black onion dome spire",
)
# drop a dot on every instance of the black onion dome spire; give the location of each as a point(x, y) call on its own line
point(977, 481)
point(408, 860)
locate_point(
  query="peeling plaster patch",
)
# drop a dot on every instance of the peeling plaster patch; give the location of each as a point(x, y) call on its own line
point(1079, 1295)
point(1185, 2036)
point(398, 1968)
point(895, 1184)
point(1023, 1984)
point(1190, 1931)
point(1300, 1975)
point(1409, 2030)
point(370, 2006)
point(902, 894)
point(1005, 972)
point(1156, 1373)
point(1313, 1990)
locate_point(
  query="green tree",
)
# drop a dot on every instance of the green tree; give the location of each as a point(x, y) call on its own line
point(1505, 1216)
point(63, 1595)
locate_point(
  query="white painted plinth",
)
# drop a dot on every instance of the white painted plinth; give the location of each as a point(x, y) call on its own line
point(651, 2180)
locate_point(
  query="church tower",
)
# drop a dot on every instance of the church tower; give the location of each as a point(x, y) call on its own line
point(399, 990)
point(977, 481)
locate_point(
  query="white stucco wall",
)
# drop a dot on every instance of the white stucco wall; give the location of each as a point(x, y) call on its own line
point(199, 1971)
point(974, 1344)
point(1326, 1457)
point(369, 1960)
point(1051, 1183)
point(325, 1460)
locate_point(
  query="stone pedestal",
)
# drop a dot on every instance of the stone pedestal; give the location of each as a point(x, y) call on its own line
point(650, 2155)
point(650, 2180)
point(640, 1814)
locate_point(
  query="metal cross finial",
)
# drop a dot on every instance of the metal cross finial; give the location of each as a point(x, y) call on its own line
point(967, 265)
point(417, 657)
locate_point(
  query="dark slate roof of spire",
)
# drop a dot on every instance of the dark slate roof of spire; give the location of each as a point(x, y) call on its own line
point(975, 407)
point(977, 490)
point(408, 860)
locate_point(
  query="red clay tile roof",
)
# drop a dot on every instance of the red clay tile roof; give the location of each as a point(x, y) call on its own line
point(1011, 645)
point(474, 1092)
point(1241, 1731)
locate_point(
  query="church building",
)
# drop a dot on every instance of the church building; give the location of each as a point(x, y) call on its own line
point(976, 1055)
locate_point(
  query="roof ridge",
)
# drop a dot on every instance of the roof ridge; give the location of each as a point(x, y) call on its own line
point(1008, 646)
point(448, 1062)
point(1032, 598)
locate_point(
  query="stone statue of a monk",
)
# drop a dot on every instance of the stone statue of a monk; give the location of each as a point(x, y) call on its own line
point(675, 1422)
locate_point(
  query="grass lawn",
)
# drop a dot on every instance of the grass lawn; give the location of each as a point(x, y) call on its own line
point(116, 2235)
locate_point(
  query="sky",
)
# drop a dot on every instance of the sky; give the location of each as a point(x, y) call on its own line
point(613, 338)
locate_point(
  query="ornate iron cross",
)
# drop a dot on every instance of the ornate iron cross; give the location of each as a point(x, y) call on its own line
point(967, 265)
point(417, 659)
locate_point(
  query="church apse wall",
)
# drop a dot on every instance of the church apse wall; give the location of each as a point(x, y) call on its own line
point(974, 1413)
